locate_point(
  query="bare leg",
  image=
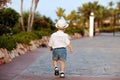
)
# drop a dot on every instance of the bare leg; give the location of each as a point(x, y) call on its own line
point(62, 66)
point(55, 63)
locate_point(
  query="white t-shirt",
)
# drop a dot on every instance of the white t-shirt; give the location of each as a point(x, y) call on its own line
point(59, 39)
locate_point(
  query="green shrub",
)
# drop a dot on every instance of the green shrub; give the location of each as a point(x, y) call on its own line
point(38, 34)
point(106, 29)
point(75, 30)
point(16, 29)
point(42, 33)
point(117, 29)
point(7, 42)
point(80, 30)
point(69, 31)
point(109, 29)
point(25, 37)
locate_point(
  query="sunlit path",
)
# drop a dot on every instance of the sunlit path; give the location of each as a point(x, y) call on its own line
point(96, 58)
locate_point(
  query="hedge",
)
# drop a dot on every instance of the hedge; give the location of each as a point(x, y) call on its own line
point(25, 37)
point(75, 30)
point(8, 42)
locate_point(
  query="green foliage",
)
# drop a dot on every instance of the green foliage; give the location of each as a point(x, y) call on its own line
point(43, 23)
point(38, 34)
point(41, 33)
point(16, 29)
point(25, 18)
point(109, 29)
point(8, 18)
point(75, 30)
point(25, 37)
point(7, 42)
point(60, 12)
point(4, 30)
point(80, 30)
point(40, 22)
point(106, 29)
point(71, 16)
point(117, 29)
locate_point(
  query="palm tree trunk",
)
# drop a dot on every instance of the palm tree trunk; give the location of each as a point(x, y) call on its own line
point(29, 18)
point(22, 20)
point(33, 13)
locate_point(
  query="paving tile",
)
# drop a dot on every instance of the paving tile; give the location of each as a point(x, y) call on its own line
point(96, 58)
point(43, 77)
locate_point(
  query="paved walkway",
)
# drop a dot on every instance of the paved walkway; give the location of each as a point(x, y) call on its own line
point(96, 58)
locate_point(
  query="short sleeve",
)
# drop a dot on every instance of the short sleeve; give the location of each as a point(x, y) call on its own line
point(67, 40)
point(50, 42)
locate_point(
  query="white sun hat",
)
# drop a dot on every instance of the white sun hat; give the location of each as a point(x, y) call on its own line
point(61, 23)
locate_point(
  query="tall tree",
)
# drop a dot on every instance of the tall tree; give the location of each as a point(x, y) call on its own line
point(100, 15)
point(71, 16)
point(111, 4)
point(83, 14)
point(118, 6)
point(85, 11)
point(111, 12)
point(118, 12)
point(29, 17)
point(31, 14)
point(87, 8)
point(60, 12)
point(22, 19)
point(8, 19)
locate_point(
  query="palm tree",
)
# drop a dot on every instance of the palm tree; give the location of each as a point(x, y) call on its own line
point(71, 16)
point(111, 10)
point(60, 12)
point(118, 6)
point(86, 9)
point(111, 4)
point(98, 10)
point(83, 13)
point(22, 20)
point(100, 15)
point(31, 14)
point(118, 11)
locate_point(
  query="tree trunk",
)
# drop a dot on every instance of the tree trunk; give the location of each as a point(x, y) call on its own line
point(29, 18)
point(33, 13)
point(22, 20)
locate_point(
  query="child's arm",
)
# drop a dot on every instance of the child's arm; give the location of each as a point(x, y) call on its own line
point(50, 48)
point(71, 48)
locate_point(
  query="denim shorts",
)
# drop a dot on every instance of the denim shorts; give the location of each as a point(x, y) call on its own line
point(59, 54)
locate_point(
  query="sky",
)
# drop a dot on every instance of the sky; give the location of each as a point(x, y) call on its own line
point(49, 7)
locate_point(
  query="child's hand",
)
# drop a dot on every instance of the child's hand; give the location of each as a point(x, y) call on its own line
point(70, 47)
point(51, 48)
point(71, 51)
